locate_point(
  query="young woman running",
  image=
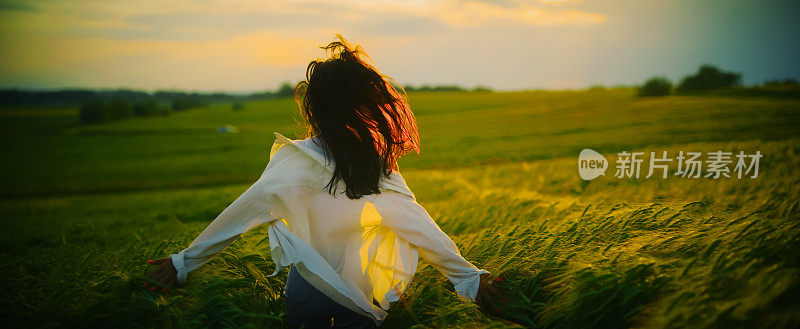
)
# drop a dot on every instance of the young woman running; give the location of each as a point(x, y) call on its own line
point(336, 207)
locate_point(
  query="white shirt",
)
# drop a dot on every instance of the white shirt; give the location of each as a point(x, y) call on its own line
point(354, 251)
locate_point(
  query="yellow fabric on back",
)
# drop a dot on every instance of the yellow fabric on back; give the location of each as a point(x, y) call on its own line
point(382, 253)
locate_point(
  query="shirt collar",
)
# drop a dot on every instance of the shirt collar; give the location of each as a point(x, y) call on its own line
point(310, 146)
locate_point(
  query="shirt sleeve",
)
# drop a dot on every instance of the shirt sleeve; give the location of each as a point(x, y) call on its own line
point(246, 212)
point(410, 221)
point(261, 203)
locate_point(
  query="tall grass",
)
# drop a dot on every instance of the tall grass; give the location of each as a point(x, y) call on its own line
point(610, 253)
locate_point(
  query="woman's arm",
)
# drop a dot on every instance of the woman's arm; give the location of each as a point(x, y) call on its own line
point(259, 204)
point(245, 213)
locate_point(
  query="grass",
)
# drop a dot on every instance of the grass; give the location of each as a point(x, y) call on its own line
point(85, 206)
point(457, 129)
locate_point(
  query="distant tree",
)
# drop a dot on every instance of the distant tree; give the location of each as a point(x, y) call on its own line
point(186, 102)
point(119, 108)
point(64, 97)
point(410, 88)
point(168, 95)
point(147, 108)
point(286, 90)
point(100, 110)
point(448, 88)
point(655, 86)
point(93, 111)
point(237, 106)
point(708, 77)
point(778, 82)
point(481, 89)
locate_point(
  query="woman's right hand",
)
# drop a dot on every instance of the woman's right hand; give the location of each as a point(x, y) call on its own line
point(165, 275)
point(489, 296)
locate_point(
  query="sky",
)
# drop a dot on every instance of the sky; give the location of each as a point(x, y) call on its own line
point(249, 45)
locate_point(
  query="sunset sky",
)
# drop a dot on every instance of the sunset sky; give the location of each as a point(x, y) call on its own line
point(242, 46)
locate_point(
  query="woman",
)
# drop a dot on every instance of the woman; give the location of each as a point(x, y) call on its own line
point(338, 211)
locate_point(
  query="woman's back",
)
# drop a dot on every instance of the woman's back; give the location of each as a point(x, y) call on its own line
point(350, 233)
point(336, 208)
point(362, 253)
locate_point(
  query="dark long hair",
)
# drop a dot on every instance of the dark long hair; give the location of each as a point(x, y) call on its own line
point(363, 123)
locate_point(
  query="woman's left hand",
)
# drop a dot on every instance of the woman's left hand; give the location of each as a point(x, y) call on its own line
point(165, 275)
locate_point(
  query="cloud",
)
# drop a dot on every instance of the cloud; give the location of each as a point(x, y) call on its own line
point(559, 2)
point(474, 13)
point(245, 62)
point(252, 49)
point(232, 45)
point(196, 20)
point(458, 13)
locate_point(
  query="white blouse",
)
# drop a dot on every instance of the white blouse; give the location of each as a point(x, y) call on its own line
point(354, 251)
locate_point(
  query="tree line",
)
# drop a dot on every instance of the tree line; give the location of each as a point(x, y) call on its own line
point(711, 79)
point(102, 110)
point(108, 105)
point(444, 87)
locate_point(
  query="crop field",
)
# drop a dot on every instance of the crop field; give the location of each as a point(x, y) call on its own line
point(83, 208)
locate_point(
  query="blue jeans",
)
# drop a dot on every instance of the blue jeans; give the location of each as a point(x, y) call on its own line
point(307, 307)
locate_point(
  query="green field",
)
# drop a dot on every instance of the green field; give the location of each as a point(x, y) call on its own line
point(83, 207)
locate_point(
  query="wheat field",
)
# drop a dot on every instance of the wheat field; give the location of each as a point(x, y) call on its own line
point(84, 207)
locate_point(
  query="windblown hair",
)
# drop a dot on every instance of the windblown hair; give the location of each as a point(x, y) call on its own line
point(363, 123)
